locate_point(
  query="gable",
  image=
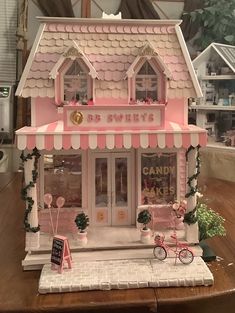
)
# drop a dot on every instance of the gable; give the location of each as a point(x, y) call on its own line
point(227, 53)
point(224, 52)
point(147, 52)
point(73, 52)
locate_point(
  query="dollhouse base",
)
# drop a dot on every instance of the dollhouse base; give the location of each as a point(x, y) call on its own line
point(104, 243)
point(125, 274)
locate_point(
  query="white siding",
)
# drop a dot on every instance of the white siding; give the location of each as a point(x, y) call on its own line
point(8, 27)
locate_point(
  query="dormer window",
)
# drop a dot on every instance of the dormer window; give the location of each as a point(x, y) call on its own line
point(74, 77)
point(146, 83)
point(148, 77)
point(77, 83)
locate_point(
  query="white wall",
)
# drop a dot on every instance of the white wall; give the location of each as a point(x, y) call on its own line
point(172, 10)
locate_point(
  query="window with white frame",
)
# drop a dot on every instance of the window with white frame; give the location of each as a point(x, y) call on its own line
point(63, 177)
point(77, 83)
point(158, 177)
point(146, 84)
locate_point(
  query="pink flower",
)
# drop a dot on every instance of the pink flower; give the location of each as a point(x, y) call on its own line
point(175, 206)
point(181, 210)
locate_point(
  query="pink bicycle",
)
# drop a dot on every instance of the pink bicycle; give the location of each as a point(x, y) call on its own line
point(181, 250)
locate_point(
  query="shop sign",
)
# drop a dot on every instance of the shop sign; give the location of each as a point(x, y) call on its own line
point(114, 118)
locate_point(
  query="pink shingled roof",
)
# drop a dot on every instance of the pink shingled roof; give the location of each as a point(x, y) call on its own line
point(111, 49)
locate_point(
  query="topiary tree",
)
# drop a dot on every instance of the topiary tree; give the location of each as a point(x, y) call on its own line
point(210, 223)
point(144, 217)
point(82, 222)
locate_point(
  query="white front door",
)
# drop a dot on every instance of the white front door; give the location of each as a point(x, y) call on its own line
point(111, 189)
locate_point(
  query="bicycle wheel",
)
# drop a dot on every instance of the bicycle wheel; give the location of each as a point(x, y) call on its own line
point(186, 256)
point(160, 253)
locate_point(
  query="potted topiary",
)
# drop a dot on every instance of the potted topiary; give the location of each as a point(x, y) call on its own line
point(82, 222)
point(145, 217)
point(210, 224)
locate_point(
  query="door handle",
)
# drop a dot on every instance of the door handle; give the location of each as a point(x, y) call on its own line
point(113, 197)
point(110, 198)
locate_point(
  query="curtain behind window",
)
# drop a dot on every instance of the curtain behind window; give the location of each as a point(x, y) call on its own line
point(60, 8)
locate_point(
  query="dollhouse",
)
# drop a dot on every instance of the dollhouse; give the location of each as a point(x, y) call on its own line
point(109, 122)
point(215, 68)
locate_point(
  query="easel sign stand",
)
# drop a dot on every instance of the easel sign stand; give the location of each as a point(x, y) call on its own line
point(60, 252)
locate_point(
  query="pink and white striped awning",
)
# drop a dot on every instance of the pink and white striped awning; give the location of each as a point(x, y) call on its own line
point(53, 136)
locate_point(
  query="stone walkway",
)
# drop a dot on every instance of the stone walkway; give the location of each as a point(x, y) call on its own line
point(125, 274)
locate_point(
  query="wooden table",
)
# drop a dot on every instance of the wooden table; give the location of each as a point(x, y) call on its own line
point(18, 289)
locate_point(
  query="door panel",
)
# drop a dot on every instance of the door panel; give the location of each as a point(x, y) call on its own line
point(121, 182)
point(111, 204)
point(101, 192)
point(101, 182)
point(121, 191)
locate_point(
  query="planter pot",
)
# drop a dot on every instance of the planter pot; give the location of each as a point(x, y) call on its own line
point(82, 239)
point(191, 232)
point(145, 235)
point(208, 254)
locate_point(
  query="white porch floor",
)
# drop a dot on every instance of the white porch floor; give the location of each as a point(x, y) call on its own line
point(104, 243)
point(102, 238)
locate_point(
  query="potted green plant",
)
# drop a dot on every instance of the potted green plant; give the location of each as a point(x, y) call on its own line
point(144, 218)
point(216, 23)
point(82, 222)
point(210, 224)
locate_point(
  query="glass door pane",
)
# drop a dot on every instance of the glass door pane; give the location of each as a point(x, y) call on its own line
point(121, 182)
point(121, 189)
point(101, 182)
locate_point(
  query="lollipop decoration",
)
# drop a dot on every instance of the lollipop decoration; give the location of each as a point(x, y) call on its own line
point(48, 201)
point(59, 203)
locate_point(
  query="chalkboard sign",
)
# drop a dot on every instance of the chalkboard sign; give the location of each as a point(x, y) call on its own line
point(57, 251)
point(60, 253)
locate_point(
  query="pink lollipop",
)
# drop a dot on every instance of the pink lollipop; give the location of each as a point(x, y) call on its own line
point(60, 202)
point(48, 199)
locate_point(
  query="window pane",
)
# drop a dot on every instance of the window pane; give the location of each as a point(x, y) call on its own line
point(75, 83)
point(146, 83)
point(101, 182)
point(121, 182)
point(158, 178)
point(147, 69)
point(63, 177)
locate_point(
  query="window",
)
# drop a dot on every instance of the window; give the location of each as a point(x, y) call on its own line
point(63, 177)
point(158, 178)
point(146, 83)
point(77, 83)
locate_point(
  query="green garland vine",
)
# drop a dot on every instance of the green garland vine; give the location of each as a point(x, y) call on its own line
point(193, 189)
point(190, 217)
point(24, 192)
